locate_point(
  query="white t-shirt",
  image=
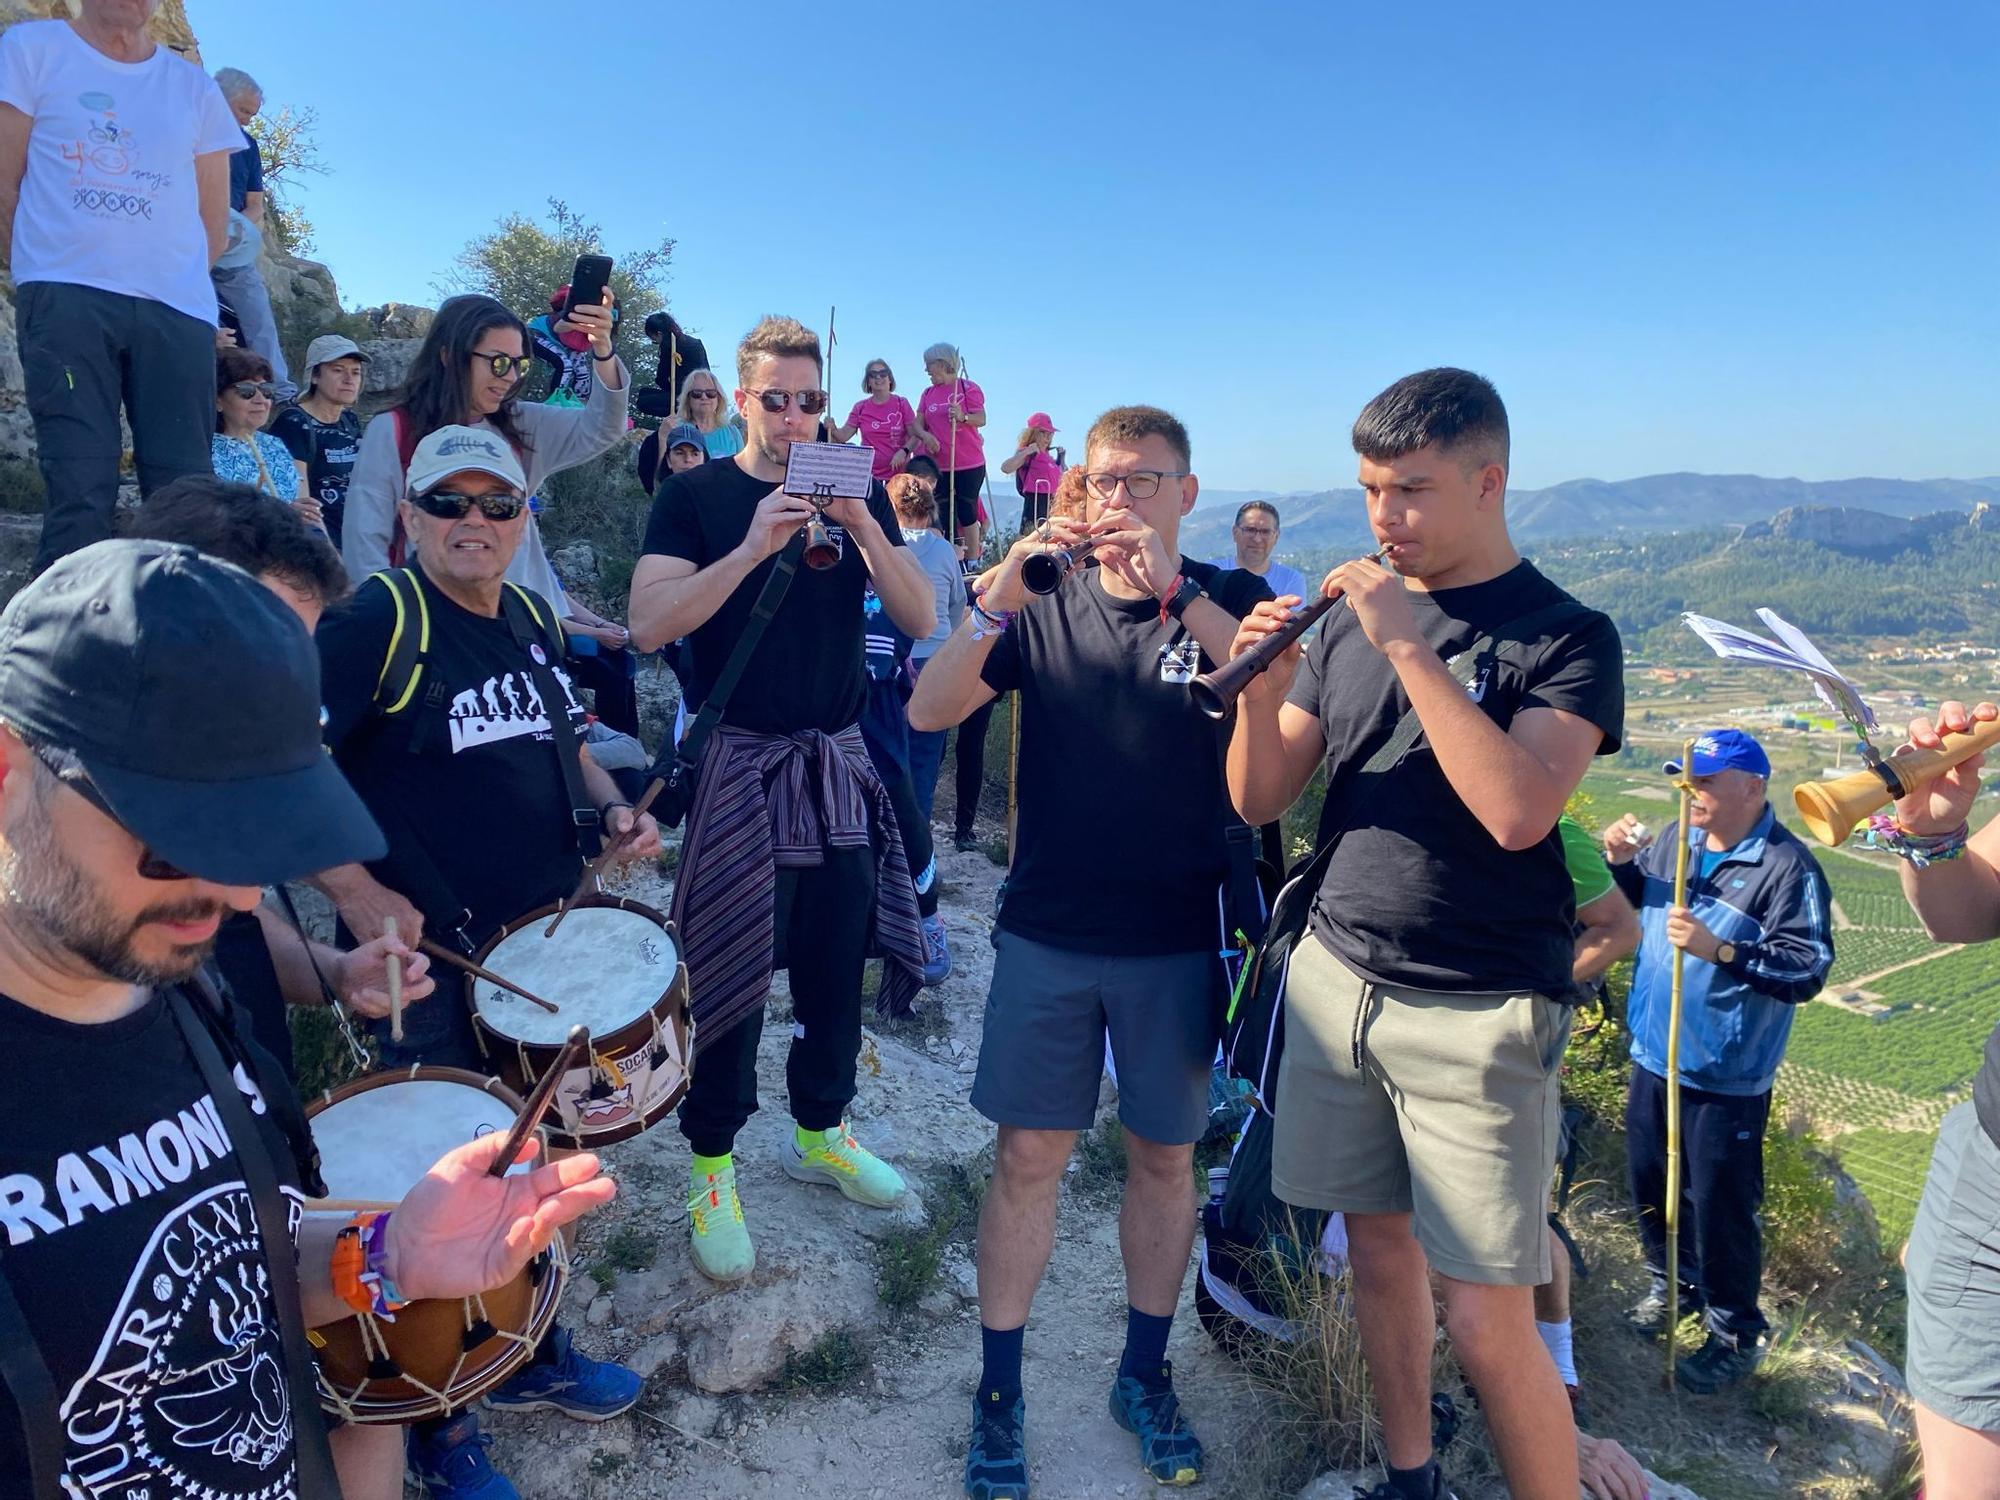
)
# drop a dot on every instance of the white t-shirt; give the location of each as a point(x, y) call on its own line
point(109, 197)
point(1282, 577)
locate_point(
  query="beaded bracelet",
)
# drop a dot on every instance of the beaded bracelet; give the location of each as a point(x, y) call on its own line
point(1920, 849)
point(994, 624)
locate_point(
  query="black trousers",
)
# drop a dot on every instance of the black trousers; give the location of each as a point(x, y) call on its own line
point(1722, 1188)
point(84, 354)
point(970, 747)
point(823, 915)
point(610, 676)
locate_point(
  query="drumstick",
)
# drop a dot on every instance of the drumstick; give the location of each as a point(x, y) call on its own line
point(538, 1102)
point(395, 969)
point(605, 855)
point(346, 1206)
point(460, 961)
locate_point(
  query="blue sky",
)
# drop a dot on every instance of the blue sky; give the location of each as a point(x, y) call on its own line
point(1726, 238)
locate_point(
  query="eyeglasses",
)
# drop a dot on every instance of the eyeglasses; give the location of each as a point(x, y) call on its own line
point(503, 365)
point(151, 866)
point(1141, 484)
point(810, 402)
point(1256, 530)
point(451, 505)
point(704, 395)
point(250, 390)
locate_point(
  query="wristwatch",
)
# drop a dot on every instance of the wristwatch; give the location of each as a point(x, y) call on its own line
point(1181, 598)
point(1725, 954)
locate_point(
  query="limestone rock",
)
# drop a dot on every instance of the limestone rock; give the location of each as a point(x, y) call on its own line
point(576, 565)
point(389, 362)
point(398, 320)
point(1342, 1484)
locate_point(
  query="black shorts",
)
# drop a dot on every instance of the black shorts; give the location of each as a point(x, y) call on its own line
point(966, 485)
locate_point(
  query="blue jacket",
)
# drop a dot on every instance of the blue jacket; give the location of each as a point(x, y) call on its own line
point(1769, 897)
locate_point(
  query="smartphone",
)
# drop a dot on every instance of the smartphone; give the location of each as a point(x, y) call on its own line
point(592, 274)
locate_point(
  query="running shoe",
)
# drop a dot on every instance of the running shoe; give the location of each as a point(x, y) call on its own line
point(449, 1459)
point(571, 1382)
point(937, 952)
point(1716, 1365)
point(1168, 1448)
point(1648, 1316)
point(839, 1160)
point(717, 1236)
point(996, 1462)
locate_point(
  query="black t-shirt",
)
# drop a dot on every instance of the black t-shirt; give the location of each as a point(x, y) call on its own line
point(482, 793)
point(1106, 723)
point(1418, 893)
point(243, 964)
point(127, 1237)
point(806, 672)
point(246, 172)
point(328, 450)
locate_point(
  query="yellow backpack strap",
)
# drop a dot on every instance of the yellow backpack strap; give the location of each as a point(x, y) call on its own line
point(409, 642)
point(544, 616)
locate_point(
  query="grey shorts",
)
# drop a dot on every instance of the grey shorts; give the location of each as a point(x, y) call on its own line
point(1953, 1268)
point(1048, 1013)
point(1450, 1114)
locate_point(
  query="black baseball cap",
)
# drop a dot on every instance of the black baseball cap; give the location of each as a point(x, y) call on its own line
point(188, 695)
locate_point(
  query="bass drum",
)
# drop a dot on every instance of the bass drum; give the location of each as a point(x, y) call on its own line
point(613, 965)
point(377, 1137)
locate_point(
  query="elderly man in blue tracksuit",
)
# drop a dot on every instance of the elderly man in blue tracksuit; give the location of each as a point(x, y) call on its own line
point(1759, 941)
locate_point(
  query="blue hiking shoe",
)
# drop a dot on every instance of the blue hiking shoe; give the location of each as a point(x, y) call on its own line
point(937, 952)
point(589, 1390)
point(450, 1459)
point(1168, 1447)
point(996, 1464)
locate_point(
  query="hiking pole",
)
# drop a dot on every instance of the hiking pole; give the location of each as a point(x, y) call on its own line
point(829, 358)
point(1013, 770)
point(951, 407)
point(1684, 783)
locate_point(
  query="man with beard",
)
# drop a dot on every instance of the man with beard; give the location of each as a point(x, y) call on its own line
point(159, 762)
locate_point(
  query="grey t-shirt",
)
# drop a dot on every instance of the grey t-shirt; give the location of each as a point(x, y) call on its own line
point(940, 564)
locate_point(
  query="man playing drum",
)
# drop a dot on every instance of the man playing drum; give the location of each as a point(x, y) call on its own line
point(160, 760)
point(461, 768)
point(791, 858)
point(1423, 1021)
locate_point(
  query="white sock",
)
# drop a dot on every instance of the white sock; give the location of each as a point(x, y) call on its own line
point(1556, 1339)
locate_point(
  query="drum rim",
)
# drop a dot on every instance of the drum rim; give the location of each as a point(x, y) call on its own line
point(415, 1073)
point(620, 903)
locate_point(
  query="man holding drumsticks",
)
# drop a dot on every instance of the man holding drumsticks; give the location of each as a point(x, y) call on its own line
point(1102, 666)
point(159, 761)
point(1418, 1087)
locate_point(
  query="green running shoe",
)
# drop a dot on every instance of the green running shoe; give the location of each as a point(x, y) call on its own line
point(716, 1233)
point(835, 1157)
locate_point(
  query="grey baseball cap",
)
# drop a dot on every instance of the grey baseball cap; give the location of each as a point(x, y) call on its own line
point(188, 696)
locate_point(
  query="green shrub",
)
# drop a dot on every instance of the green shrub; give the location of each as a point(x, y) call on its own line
point(831, 1363)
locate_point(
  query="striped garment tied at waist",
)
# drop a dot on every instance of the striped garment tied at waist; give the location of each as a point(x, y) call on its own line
point(771, 801)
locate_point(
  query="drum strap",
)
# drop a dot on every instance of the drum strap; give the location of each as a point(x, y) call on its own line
point(316, 1475)
point(515, 605)
point(28, 1381)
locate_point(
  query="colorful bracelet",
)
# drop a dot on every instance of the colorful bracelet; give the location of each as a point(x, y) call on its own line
point(360, 1275)
point(994, 624)
point(1920, 849)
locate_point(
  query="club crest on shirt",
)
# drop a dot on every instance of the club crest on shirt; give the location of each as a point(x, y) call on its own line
point(1180, 659)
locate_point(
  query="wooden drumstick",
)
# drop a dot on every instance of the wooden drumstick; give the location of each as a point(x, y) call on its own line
point(538, 1101)
point(597, 866)
point(394, 966)
point(460, 961)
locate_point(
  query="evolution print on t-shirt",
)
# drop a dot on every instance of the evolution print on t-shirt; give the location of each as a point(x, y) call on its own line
point(503, 708)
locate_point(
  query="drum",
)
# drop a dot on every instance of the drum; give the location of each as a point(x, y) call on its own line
point(377, 1137)
point(614, 966)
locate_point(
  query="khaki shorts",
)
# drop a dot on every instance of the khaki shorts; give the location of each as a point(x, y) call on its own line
point(1451, 1114)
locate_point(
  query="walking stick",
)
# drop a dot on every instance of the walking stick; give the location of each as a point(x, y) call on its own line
point(957, 395)
point(1013, 770)
point(829, 358)
point(1685, 785)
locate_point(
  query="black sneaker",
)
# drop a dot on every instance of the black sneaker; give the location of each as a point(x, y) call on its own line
point(1387, 1489)
point(996, 1462)
point(1716, 1365)
point(1648, 1316)
point(965, 842)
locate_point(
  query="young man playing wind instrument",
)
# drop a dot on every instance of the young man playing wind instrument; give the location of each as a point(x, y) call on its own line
point(1088, 947)
point(1418, 1088)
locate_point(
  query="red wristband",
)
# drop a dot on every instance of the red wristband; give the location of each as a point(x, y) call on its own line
point(1173, 587)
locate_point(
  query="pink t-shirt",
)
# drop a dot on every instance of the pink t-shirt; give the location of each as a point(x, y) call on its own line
point(1041, 474)
point(885, 427)
point(934, 406)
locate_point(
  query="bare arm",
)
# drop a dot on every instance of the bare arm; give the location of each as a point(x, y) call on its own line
point(1275, 746)
point(253, 208)
point(15, 128)
point(1008, 466)
point(671, 596)
point(838, 434)
point(1610, 932)
point(951, 687)
point(211, 180)
point(1957, 900)
point(899, 578)
point(358, 977)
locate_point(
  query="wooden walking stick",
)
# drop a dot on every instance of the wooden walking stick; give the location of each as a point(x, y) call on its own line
point(1685, 785)
point(828, 382)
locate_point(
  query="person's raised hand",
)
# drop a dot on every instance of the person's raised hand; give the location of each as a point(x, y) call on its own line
point(644, 842)
point(1625, 838)
point(1947, 801)
point(1132, 550)
point(361, 979)
point(777, 517)
point(1264, 619)
point(369, 908)
point(1378, 599)
point(461, 1231)
point(1003, 589)
point(595, 321)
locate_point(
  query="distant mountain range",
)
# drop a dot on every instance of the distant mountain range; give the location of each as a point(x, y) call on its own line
point(1333, 520)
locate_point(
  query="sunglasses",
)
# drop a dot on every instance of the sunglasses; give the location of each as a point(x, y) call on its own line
point(878, 374)
point(812, 403)
point(250, 390)
point(1141, 485)
point(704, 395)
point(503, 365)
point(151, 866)
point(450, 505)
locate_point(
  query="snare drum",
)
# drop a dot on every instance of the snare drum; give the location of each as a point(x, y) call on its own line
point(377, 1137)
point(615, 967)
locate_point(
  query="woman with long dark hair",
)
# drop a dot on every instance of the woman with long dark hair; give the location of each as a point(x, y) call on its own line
point(469, 370)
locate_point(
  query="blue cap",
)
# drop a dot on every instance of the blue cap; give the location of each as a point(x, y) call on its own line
point(684, 434)
point(1725, 750)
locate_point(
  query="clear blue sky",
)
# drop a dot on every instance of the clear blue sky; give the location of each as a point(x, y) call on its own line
point(1730, 238)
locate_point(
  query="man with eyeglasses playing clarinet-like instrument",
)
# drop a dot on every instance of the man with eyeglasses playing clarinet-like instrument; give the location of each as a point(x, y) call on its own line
point(791, 859)
point(1110, 930)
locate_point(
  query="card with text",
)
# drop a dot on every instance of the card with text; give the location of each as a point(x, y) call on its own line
point(830, 471)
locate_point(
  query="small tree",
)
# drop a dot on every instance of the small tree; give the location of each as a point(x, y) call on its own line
point(288, 139)
point(521, 262)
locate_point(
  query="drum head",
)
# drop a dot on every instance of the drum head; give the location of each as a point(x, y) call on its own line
point(378, 1136)
point(606, 966)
